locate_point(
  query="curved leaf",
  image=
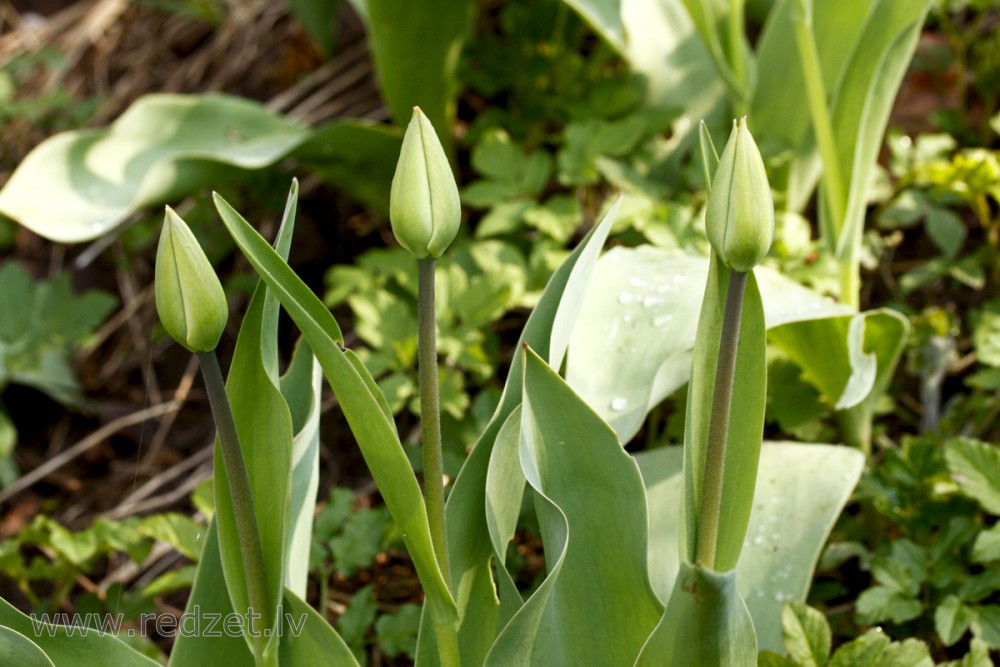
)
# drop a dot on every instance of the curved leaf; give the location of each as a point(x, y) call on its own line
point(16, 649)
point(469, 546)
point(800, 491)
point(642, 299)
point(79, 185)
point(67, 646)
point(705, 623)
point(592, 513)
point(375, 433)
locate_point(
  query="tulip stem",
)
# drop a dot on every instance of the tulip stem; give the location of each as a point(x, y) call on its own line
point(718, 428)
point(243, 507)
point(430, 413)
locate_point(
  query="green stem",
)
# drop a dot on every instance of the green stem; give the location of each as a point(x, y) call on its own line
point(718, 428)
point(239, 489)
point(737, 56)
point(430, 413)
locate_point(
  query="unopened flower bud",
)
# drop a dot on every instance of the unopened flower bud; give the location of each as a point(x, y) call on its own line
point(189, 296)
point(740, 215)
point(423, 205)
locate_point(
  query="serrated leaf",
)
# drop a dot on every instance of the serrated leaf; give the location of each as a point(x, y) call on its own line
point(946, 229)
point(907, 653)
point(886, 604)
point(865, 651)
point(181, 532)
point(806, 634)
point(36, 349)
point(353, 624)
point(987, 545)
point(975, 466)
point(396, 633)
point(951, 620)
point(986, 624)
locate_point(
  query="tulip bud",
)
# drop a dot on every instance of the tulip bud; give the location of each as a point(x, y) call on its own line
point(189, 296)
point(423, 205)
point(740, 215)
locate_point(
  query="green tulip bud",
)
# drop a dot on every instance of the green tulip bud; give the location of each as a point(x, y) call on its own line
point(189, 296)
point(740, 215)
point(423, 205)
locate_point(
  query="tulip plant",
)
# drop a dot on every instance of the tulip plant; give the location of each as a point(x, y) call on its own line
point(626, 584)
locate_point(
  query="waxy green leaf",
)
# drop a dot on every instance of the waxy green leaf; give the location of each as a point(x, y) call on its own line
point(592, 513)
point(800, 491)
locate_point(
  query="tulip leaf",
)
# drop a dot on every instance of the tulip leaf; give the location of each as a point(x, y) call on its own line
point(63, 646)
point(434, 29)
point(81, 184)
point(641, 299)
point(592, 514)
point(505, 484)
point(264, 425)
point(746, 417)
point(16, 649)
point(210, 599)
point(859, 357)
point(308, 638)
point(862, 104)
point(705, 623)
point(356, 392)
point(800, 491)
point(469, 545)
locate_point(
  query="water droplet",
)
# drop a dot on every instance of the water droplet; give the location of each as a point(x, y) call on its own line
point(679, 279)
point(758, 540)
point(636, 282)
point(619, 403)
point(662, 320)
point(628, 318)
point(652, 301)
point(625, 297)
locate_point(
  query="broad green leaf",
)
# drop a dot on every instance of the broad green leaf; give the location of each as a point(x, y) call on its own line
point(65, 646)
point(800, 491)
point(79, 185)
point(307, 639)
point(264, 425)
point(632, 347)
point(861, 107)
point(469, 545)
point(375, 433)
point(951, 620)
point(396, 633)
point(779, 115)
point(975, 466)
point(806, 634)
point(858, 359)
point(746, 418)
point(416, 48)
point(209, 596)
point(16, 649)
point(706, 623)
point(592, 514)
